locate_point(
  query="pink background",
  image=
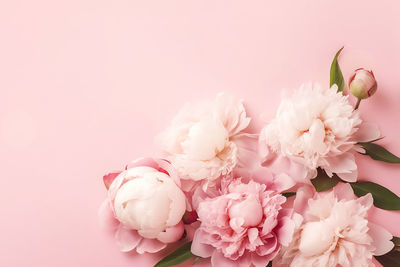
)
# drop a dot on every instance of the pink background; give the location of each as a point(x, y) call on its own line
point(85, 85)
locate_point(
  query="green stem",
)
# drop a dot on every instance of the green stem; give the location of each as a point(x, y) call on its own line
point(358, 103)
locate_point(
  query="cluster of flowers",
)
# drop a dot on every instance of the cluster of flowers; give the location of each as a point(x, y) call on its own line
point(226, 190)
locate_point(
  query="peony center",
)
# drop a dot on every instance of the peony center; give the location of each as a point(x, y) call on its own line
point(205, 140)
point(316, 238)
point(249, 209)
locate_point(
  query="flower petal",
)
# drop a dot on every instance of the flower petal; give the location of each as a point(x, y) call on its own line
point(380, 239)
point(367, 132)
point(217, 259)
point(278, 164)
point(303, 194)
point(200, 249)
point(344, 191)
point(146, 161)
point(262, 261)
point(247, 150)
point(285, 230)
point(343, 165)
point(166, 166)
point(244, 261)
point(109, 178)
point(150, 245)
point(283, 182)
point(172, 234)
point(349, 177)
point(127, 239)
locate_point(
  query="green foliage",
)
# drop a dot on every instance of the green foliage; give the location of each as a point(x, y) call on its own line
point(336, 76)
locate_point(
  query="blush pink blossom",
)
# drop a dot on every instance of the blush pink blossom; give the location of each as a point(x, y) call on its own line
point(334, 230)
point(206, 140)
point(243, 225)
point(144, 206)
point(315, 127)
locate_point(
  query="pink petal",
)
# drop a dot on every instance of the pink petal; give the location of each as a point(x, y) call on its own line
point(252, 234)
point(115, 185)
point(270, 245)
point(127, 239)
point(281, 164)
point(344, 191)
point(106, 216)
point(366, 200)
point(285, 231)
point(172, 234)
point(232, 113)
point(150, 246)
point(343, 165)
point(303, 194)
point(146, 161)
point(349, 177)
point(263, 150)
point(190, 229)
point(283, 182)
point(217, 259)
point(262, 261)
point(109, 178)
point(200, 249)
point(166, 166)
point(380, 239)
point(244, 261)
point(359, 149)
point(247, 150)
point(367, 132)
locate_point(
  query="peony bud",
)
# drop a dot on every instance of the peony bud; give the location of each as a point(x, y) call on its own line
point(362, 84)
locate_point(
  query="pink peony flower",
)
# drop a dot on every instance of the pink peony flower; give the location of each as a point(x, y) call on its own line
point(206, 140)
point(144, 206)
point(334, 230)
point(245, 224)
point(315, 127)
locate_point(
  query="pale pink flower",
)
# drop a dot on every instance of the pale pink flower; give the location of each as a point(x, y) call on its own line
point(242, 225)
point(144, 206)
point(334, 230)
point(315, 127)
point(205, 140)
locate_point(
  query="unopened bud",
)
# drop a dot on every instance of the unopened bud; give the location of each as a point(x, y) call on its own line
point(362, 84)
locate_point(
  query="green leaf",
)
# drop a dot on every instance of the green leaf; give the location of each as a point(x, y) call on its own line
point(180, 255)
point(336, 73)
point(379, 153)
point(288, 194)
point(383, 197)
point(391, 259)
point(323, 182)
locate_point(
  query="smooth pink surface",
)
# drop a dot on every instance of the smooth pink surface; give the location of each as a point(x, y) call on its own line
point(85, 85)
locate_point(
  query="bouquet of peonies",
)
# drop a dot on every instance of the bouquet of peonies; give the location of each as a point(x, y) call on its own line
point(287, 196)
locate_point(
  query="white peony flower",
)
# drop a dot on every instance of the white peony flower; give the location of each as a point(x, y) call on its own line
point(148, 201)
point(145, 206)
point(334, 231)
point(205, 140)
point(317, 127)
